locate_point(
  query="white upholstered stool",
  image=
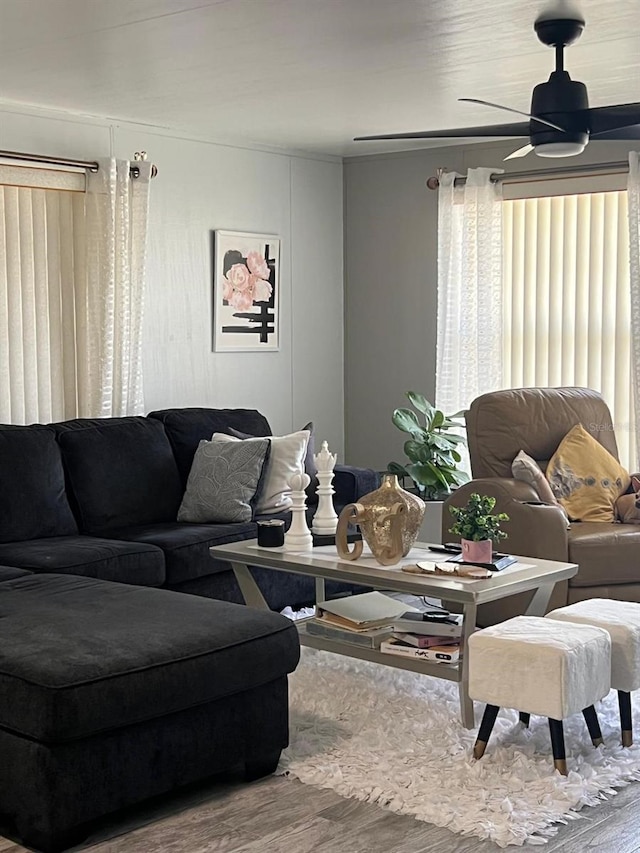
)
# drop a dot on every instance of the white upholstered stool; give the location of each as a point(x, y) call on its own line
point(539, 667)
point(622, 620)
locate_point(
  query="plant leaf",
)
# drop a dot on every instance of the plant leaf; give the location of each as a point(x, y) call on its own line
point(417, 451)
point(420, 402)
point(406, 420)
point(422, 474)
point(396, 468)
point(438, 419)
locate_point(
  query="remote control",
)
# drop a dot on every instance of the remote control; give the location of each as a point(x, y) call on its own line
point(450, 548)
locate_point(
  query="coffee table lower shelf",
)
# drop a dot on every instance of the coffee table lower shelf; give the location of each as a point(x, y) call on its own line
point(448, 671)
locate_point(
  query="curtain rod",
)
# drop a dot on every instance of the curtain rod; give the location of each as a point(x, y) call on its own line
point(90, 165)
point(615, 168)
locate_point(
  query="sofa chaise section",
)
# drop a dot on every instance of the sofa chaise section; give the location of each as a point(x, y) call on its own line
point(111, 693)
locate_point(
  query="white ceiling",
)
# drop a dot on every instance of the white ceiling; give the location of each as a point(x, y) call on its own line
point(303, 74)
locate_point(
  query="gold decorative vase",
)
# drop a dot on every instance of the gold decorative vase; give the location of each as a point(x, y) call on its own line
point(389, 520)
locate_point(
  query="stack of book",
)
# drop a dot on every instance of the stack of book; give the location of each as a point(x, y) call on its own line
point(363, 620)
point(436, 640)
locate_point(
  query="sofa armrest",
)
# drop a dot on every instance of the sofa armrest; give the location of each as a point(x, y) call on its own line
point(535, 529)
point(352, 483)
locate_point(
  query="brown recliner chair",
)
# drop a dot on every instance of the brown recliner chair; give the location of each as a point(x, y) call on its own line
point(535, 420)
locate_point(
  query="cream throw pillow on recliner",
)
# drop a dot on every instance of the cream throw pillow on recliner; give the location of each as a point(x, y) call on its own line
point(286, 458)
point(585, 478)
point(525, 468)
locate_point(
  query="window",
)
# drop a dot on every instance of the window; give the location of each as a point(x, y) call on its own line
point(566, 299)
point(72, 247)
point(41, 223)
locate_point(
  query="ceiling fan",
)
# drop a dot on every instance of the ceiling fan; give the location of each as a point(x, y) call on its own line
point(561, 123)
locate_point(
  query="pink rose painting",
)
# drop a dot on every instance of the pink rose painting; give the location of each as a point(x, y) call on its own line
point(246, 291)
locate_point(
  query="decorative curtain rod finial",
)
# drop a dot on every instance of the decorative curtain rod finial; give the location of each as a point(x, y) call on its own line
point(434, 181)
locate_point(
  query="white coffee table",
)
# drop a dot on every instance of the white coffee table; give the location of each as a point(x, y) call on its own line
point(528, 574)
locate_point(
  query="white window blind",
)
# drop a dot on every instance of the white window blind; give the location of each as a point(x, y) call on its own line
point(41, 227)
point(566, 300)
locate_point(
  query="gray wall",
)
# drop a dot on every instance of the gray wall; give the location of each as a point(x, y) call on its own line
point(391, 280)
point(201, 187)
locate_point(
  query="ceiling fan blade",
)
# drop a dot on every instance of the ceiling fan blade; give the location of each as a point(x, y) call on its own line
point(515, 129)
point(510, 110)
point(603, 119)
point(630, 132)
point(520, 152)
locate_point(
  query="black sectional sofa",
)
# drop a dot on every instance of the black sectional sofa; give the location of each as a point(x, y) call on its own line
point(99, 498)
point(113, 686)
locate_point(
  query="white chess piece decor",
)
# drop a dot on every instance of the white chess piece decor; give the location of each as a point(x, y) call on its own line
point(325, 521)
point(298, 537)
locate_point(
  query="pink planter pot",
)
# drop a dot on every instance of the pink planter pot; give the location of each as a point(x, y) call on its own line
point(477, 552)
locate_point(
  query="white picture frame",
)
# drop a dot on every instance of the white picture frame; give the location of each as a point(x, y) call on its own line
point(246, 292)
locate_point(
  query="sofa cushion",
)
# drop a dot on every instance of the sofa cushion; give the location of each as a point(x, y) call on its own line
point(8, 573)
point(527, 469)
point(80, 656)
point(33, 502)
point(121, 471)
point(607, 554)
point(225, 481)
point(186, 546)
point(585, 478)
point(286, 458)
point(90, 556)
point(310, 466)
point(187, 427)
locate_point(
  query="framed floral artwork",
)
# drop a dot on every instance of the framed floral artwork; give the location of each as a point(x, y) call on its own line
point(246, 292)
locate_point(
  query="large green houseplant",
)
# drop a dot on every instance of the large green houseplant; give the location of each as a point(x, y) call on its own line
point(432, 448)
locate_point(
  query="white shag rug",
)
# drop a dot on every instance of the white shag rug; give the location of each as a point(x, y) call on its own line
point(394, 738)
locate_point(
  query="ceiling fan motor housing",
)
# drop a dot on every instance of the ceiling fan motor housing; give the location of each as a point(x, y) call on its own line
point(565, 102)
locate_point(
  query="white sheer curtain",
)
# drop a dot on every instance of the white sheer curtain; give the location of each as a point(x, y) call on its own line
point(633, 192)
point(72, 251)
point(117, 214)
point(469, 344)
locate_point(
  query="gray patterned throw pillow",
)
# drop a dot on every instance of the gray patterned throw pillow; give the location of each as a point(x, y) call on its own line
point(223, 481)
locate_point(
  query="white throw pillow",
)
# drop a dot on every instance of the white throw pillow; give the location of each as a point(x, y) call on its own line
point(286, 458)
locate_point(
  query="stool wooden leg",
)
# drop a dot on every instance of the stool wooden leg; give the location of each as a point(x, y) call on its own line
point(591, 719)
point(524, 719)
point(626, 724)
point(484, 732)
point(557, 745)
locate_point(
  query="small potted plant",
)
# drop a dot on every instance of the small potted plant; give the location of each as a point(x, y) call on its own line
point(477, 527)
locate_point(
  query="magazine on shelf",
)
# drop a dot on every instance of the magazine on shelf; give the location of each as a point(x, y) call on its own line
point(436, 654)
point(361, 612)
point(425, 641)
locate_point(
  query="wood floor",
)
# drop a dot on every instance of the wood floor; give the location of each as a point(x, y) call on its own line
point(279, 815)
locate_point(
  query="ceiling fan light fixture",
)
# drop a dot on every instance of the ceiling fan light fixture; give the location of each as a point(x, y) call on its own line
point(567, 148)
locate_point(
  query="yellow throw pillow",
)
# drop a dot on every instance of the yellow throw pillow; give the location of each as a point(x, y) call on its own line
point(585, 478)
